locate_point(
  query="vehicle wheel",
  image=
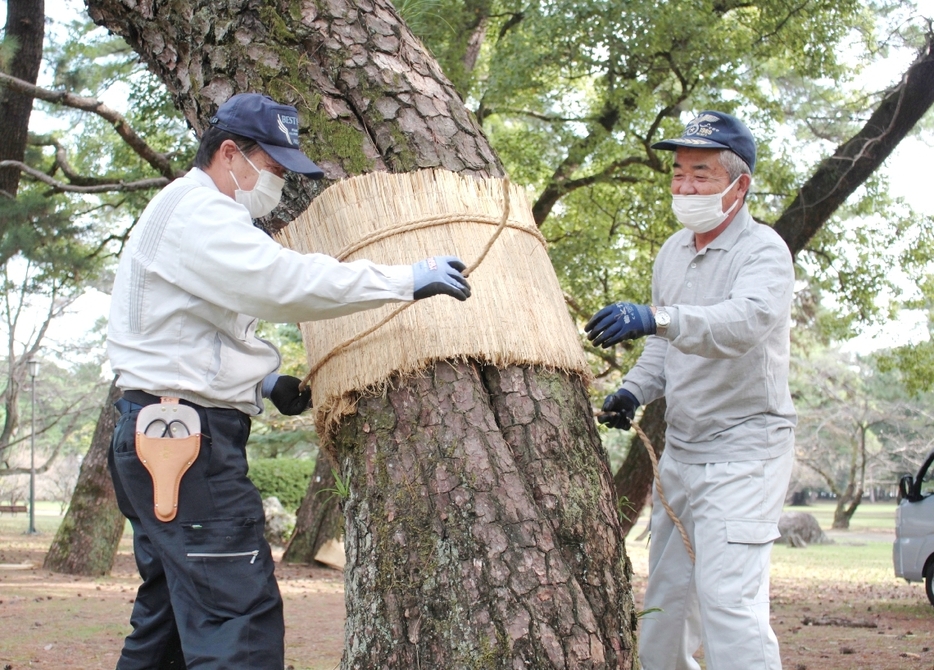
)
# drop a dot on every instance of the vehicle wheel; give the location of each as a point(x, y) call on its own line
point(929, 581)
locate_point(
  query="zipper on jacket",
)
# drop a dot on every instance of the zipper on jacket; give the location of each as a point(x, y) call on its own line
point(236, 554)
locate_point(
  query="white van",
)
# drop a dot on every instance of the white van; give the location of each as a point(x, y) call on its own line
point(913, 553)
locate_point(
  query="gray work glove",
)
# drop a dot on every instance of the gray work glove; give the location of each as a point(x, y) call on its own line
point(440, 274)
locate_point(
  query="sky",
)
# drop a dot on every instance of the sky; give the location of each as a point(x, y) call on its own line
point(907, 179)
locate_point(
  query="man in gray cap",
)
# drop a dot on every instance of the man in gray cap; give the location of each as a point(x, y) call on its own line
point(193, 280)
point(718, 350)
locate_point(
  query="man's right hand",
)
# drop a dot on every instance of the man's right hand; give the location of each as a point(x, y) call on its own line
point(288, 396)
point(619, 409)
point(440, 274)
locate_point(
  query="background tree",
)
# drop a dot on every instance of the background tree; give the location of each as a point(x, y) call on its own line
point(21, 57)
point(857, 426)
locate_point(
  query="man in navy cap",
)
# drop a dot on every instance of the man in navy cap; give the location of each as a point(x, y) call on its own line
point(193, 280)
point(718, 350)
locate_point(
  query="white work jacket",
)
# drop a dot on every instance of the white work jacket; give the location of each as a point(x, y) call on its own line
point(193, 280)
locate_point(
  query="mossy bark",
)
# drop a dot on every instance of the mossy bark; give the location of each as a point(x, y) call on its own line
point(319, 517)
point(481, 528)
point(635, 477)
point(87, 539)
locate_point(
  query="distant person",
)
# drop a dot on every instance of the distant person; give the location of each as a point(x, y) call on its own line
point(193, 280)
point(718, 352)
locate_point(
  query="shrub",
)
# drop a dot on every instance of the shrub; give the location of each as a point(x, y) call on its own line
point(285, 478)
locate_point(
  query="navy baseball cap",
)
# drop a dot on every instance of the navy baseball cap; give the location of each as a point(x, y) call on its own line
point(716, 130)
point(272, 126)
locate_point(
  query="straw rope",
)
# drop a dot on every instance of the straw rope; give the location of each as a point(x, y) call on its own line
point(442, 220)
point(406, 227)
point(661, 491)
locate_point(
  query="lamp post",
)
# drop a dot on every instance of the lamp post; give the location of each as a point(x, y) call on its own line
point(33, 366)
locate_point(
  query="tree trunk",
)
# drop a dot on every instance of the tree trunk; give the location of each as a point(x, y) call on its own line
point(25, 23)
point(634, 479)
point(481, 529)
point(846, 507)
point(86, 541)
point(481, 525)
point(319, 518)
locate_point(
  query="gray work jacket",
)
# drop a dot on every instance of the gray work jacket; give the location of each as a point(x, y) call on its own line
point(723, 363)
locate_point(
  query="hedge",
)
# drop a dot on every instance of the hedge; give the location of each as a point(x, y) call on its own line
point(285, 478)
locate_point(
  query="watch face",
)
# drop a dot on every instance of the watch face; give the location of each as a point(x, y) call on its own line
point(662, 318)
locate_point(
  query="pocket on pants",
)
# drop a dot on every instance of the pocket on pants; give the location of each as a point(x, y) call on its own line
point(223, 558)
point(745, 560)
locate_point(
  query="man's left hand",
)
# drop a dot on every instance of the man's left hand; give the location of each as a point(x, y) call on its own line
point(287, 397)
point(620, 321)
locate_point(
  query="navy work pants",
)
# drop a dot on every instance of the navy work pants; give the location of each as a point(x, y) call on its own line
point(208, 588)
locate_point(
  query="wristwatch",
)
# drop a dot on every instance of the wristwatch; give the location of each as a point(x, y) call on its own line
point(662, 321)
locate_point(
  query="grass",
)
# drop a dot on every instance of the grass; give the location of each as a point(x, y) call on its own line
point(878, 516)
point(862, 554)
point(863, 563)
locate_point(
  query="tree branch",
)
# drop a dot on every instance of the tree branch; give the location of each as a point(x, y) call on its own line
point(854, 160)
point(117, 186)
point(160, 162)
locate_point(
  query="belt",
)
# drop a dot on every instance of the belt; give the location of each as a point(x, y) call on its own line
point(133, 400)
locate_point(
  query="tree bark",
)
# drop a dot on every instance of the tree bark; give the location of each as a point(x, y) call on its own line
point(87, 539)
point(479, 531)
point(635, 477)
point(857, 158)
point(481, 526)
point(319, 517)
point(25, 23)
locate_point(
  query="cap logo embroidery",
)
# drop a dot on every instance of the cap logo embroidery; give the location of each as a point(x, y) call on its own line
point(285, 131)
point(701, 125)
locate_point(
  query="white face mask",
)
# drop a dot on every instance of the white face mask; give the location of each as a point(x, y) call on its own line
point(266, 193)
point(702, 213)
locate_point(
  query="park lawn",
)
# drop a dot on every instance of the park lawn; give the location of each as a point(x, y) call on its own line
point(880, 622)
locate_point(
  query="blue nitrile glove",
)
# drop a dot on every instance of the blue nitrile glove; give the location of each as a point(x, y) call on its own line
point(283, 391)
point(620, 321)
point(619, 410)
point(440, 274)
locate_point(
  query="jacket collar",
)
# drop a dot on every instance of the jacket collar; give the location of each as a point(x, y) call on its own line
point(202, 178)
point(728, 237)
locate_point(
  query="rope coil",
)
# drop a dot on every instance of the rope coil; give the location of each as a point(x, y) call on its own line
point(661, 491)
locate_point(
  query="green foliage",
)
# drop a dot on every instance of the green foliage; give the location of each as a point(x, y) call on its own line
point(340, 490)
point(275, 435)
point(285, 478)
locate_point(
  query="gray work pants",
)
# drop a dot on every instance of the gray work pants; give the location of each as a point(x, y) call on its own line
point(730, 512)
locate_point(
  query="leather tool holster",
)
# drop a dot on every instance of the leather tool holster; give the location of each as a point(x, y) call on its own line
point(168, 439)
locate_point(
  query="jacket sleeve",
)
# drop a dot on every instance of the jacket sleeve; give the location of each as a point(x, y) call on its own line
point(646, 379)
point(759, 299)
point(227, 261)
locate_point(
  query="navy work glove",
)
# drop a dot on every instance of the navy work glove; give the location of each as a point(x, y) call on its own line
point(287, 398)
point(440, 274)
point(620, 321)
point(619, 410)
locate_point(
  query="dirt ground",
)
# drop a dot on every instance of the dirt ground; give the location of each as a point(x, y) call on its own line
point(59, 621)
